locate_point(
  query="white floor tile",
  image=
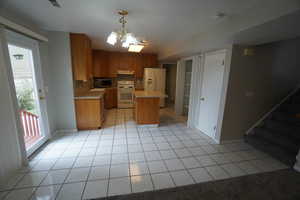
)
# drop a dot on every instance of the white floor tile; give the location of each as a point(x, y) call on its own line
point(64, 163)
point(20, 194)
point(71, 191)
point(206, 161)
point(182, 153)
point(119, 149)
point(120, 170)
point(162, 180)
point(190, 162)
point(168, 154)
point(44, 165)
point(3, 194)
point(136, 157)
point(248, 167)
point(220, 158)
point(101, 172)
point(152, 155)
point(56, 177)
point(135, 148)
point(163, 146)
point(46, 192)
point(12, 181)
point(95, 189)
point(157, 167)
point(217, 172)
point(119, 186)
point(32, 179)
point(174, 164)
point(119, 158)
point(83, 162)
point(209, 149)
point(102, 160)
point(141, 183)
point(78, 174)
point(182, 178)
point(233, 170)
point(197, 151)
point(200, 175)
point(149, 147)
point(138, 169)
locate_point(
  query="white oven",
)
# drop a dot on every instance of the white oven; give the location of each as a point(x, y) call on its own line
point(125, 94)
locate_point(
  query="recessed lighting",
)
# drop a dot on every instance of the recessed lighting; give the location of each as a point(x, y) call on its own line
point(135, 48)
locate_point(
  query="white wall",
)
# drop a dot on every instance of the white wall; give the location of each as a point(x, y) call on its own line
point(60, 81)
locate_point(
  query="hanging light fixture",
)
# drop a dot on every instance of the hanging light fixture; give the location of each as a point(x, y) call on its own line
point(127, 39)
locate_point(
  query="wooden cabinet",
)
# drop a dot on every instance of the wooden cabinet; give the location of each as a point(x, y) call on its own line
point(89, 113)
point(149, 105)
point(107, 64)
point(81, 54)
point(100, 63)
point(111, 98)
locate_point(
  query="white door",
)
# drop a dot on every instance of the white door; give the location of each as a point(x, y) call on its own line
point(214, 66)
point(27, 78)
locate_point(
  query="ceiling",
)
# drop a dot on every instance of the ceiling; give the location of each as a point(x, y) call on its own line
point(162, 22)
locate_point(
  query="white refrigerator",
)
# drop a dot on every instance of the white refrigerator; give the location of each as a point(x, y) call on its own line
point(155, 80)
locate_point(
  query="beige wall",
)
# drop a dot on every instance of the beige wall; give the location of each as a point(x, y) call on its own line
point(270, 74)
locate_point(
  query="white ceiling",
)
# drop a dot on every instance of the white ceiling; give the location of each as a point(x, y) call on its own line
point(162, 22)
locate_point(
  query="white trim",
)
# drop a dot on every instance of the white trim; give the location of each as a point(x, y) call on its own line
point(274, 108)
point(60, 131)
point(21, 29)
point(148, 126)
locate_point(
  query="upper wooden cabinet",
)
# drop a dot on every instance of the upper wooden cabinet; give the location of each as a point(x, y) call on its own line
point(100, 63)
point(81, 53)
point(107, 64)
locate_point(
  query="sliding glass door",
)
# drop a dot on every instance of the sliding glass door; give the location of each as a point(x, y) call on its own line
point(27, 77)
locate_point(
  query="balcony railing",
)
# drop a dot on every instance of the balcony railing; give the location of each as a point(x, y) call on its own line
point(30, 123)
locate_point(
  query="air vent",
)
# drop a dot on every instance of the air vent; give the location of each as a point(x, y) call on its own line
point(54, 3)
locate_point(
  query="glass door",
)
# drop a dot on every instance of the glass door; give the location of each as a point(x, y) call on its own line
point(25, 63)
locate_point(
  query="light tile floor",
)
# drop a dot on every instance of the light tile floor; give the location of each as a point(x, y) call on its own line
point(122, 159)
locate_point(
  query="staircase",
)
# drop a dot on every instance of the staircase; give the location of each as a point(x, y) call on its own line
point(279, 133)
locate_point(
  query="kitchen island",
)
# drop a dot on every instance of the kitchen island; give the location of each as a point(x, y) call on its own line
point(146, 107)
point(89, 108)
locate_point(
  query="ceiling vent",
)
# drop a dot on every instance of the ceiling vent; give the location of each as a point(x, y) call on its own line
point(54, 3)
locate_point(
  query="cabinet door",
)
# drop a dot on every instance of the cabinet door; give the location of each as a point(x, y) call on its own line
point(114, 63)
point(81, 56)
point(88, 113)
point(111, 99)
point(100, 63)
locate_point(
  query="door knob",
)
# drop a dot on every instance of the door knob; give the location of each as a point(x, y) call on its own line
point(202, 99)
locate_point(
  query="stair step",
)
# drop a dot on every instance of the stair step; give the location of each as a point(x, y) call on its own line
point(273, 150)
point(290, 108)
point(282, 140)
point(285, 117)
point(283, 128)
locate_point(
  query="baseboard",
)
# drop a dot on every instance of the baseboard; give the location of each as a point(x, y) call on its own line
point(231, 141)
point(60, 131)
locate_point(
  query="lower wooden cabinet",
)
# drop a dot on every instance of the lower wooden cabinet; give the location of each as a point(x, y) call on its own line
point(89, 113)
point(146, 111)
point(111, 98)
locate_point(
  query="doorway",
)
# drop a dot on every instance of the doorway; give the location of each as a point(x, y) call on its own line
point(27, 79)
point(171, 70)
point(211, 91)
point(187, 87)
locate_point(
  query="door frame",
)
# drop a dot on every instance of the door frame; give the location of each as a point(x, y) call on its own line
point(26, 42)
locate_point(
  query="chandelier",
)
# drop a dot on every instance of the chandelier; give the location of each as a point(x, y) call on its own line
point(128, 40)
